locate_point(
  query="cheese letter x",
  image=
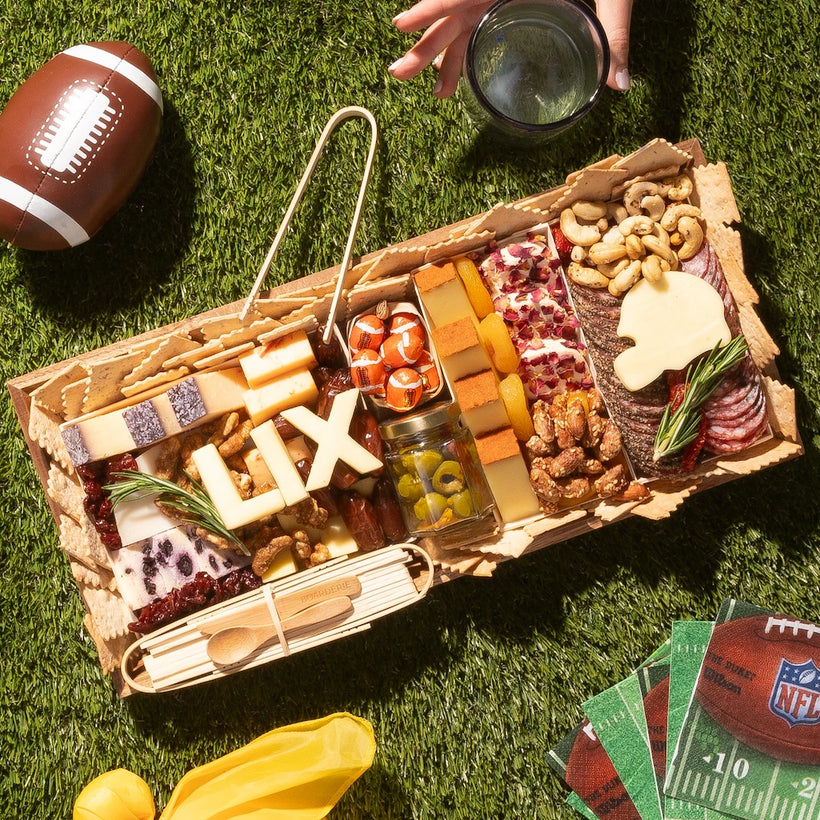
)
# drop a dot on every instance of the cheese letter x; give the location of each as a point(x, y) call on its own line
point(335, 443)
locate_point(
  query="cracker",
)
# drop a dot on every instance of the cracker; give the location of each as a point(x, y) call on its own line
point(249, 333)
point(66, 492)
point(44, 428)
point(602, 164)
point(656, 156)
point(460, 245)
point(82, 542)
point(667, 496)
point(105, 379)
point(222, 357)
point(157, 380)
point(100, 578)
point(782, 416)
point(363, 297)
point(393, 261)
point(502, 220)
point(713, 194)
point(73, 396)
point(110, 652)
point(49, 395)
point(307, 324)
point(591, 184)
point(217, 326)
point(157, 354)
point(545, 201)
point(187, 358)
point(108, 611)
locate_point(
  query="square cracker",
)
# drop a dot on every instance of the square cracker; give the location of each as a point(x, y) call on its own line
point(44, 428)
point(65, 491)
point(713, 194)
point(110, 614)
point(163, 348)
point(106, 379)
point(156, 380)
point(50, 394)
point(657, 153)
point(110, 652)
point(82, 542)
point(73, 395)
point(101, 579)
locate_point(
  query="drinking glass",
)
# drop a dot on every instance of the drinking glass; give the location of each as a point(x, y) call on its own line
point(534, 67)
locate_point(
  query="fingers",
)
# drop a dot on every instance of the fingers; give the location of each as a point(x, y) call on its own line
point(615, 16)
point(432, 43)
point(450, 68)
point(426, 12)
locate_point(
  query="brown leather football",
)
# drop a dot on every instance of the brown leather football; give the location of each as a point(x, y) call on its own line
point(75, 139)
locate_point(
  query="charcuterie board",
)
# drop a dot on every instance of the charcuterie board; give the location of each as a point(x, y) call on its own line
point(226, 397)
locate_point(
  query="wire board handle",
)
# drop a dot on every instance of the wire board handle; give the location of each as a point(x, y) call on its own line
point(332, 123)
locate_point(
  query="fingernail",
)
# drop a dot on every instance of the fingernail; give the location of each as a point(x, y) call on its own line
point(398, 17)
point(395, 65)
point(438, 86)
point(622, 79)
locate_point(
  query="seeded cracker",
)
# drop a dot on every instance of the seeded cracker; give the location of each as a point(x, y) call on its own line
point(464, 244)
point(211, 329)
point(714, 194)
point(106, 379)
point(654, 158)
point(44, 428)
point(223, 357)
point(66, 492)
point(240, 337)
point(102, 579)
point(110, 652)
point(156, 354)
point(109, 612)
point(81, 541)
point(49, 395)
point(73, 395)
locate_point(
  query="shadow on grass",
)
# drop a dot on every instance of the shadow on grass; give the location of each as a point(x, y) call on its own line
point(135, 250)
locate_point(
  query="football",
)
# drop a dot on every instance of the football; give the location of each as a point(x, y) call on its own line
point(75, 139)
point(760, 680)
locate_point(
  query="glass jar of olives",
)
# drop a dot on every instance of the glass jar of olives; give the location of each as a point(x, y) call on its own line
point(432, 462)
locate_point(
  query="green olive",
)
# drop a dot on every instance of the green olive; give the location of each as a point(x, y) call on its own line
point(448, 478)
point(427, 462)
point(430, 507)
point(409, 487)
point(462, 504)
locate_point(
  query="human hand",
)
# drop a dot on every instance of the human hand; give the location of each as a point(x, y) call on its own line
point(448, 24)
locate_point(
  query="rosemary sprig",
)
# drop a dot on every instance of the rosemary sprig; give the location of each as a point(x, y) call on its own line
point(679, 428)
point(194, 506)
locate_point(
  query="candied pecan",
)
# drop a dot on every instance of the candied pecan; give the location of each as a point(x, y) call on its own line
point(542, 421)
point(612, 482)
point(576, 418)
point(558, 405)
point(536, 446)
point(590, 466)
point(635, 491)
point(237, 439)
point(563, 437)
point(566, 462)
point(223, 427)
point(610, 444)
point(243, 484)
point(309, 513)
point(320, 555)
point(167, 460)
point(544, 485)
point(264, 557)
point(595, 429)
point(574, 487)
point(216, 539)
point(595, 401)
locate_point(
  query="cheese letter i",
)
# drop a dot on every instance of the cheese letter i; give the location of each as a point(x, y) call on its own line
point(333, 439)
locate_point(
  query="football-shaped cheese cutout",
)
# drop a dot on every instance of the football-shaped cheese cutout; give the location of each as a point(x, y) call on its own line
point(74, 141)
point(760, 680)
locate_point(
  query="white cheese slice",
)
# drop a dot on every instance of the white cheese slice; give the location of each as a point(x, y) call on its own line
point(234, 510)
point(331, 436)
point(288, 390)
point(671, 322)
point(278, 460)
point(268, 361)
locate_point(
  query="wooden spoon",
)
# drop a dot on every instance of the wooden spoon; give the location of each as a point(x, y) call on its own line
point(235, 643)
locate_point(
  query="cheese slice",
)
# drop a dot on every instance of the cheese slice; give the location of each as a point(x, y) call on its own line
point(333, 440)
point(234, 510)
point(442, 294)
point(671, 322)
point(277, 357)
point(288, 390)
point(278, 460)
point(480, 402)
point(459, 348)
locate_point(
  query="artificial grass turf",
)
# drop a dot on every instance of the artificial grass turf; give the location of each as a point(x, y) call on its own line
point(468, 690)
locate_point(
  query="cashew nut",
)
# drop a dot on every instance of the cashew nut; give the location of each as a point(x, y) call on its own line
point(638, 224)
point(680, 187)
point(634, 246)
point(669, 220)
point(603, 252)
point(586, 276)
point(661, 234)
point(589, 209)
point(578, 253)
point(616, 211)
point(692, 234)
point(612, 269)
point(613, 236)
point(625, 279)
point(653, 267)
point(654, 245)
point(575, 232)
point(653, 206)
point(635, 193)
